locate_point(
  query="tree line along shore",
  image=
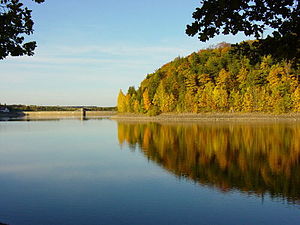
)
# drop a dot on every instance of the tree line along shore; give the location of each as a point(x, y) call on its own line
point(36, 108)
point(218, 80)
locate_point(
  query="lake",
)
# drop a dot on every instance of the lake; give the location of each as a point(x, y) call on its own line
point(102, 171)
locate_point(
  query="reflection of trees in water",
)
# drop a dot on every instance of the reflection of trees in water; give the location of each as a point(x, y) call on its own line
point(251, 158)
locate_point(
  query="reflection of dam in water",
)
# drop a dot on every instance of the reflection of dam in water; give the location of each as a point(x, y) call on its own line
point(252, 158)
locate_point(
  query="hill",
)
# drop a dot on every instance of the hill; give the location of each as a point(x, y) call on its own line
point(221, 79)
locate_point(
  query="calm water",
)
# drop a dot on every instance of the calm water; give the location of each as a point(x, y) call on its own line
point(106, 172)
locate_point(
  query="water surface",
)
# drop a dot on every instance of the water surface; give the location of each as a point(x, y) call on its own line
point(108, 172)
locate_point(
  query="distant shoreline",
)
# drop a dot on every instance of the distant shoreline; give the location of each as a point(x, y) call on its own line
point(54, 114)
point(210, 117)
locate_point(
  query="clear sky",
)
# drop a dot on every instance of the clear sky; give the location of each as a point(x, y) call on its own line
point(89, 50)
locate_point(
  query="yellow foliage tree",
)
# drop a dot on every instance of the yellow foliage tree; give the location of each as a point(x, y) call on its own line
point(273, 77)
point(224, 78)
point(241, 77)
point(281, 84)
point(147, 101)
point(189, 102)
point(163, 100)
point(220, 97)
point(136, 106)
point(248, 101)
point(128, 105)
point(191, 80)
point(121, 102)
point(296, 100)
point(236, 101)
point(262, 97)
point(209, 96)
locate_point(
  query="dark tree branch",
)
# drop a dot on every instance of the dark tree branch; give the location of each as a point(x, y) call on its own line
point(251, 17)
point(15, 22)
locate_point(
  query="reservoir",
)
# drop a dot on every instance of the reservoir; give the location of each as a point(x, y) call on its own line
point(102, 171)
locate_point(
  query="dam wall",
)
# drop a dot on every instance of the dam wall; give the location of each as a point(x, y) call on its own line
point(69, 114)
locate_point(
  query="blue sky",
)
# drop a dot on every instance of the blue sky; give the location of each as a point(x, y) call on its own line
point(89, 50)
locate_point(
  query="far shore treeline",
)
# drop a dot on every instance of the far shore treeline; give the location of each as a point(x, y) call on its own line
point(220, 79)
point(35, 108)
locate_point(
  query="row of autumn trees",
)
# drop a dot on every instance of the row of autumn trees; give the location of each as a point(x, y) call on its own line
point(219, 79)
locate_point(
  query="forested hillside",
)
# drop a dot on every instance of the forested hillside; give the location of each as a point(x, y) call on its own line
point(220, 79)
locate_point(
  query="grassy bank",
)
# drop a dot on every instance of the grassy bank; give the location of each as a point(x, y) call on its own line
point(208, 117)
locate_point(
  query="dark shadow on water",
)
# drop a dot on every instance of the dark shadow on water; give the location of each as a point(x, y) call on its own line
point(3, 223)
point(11, 115)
